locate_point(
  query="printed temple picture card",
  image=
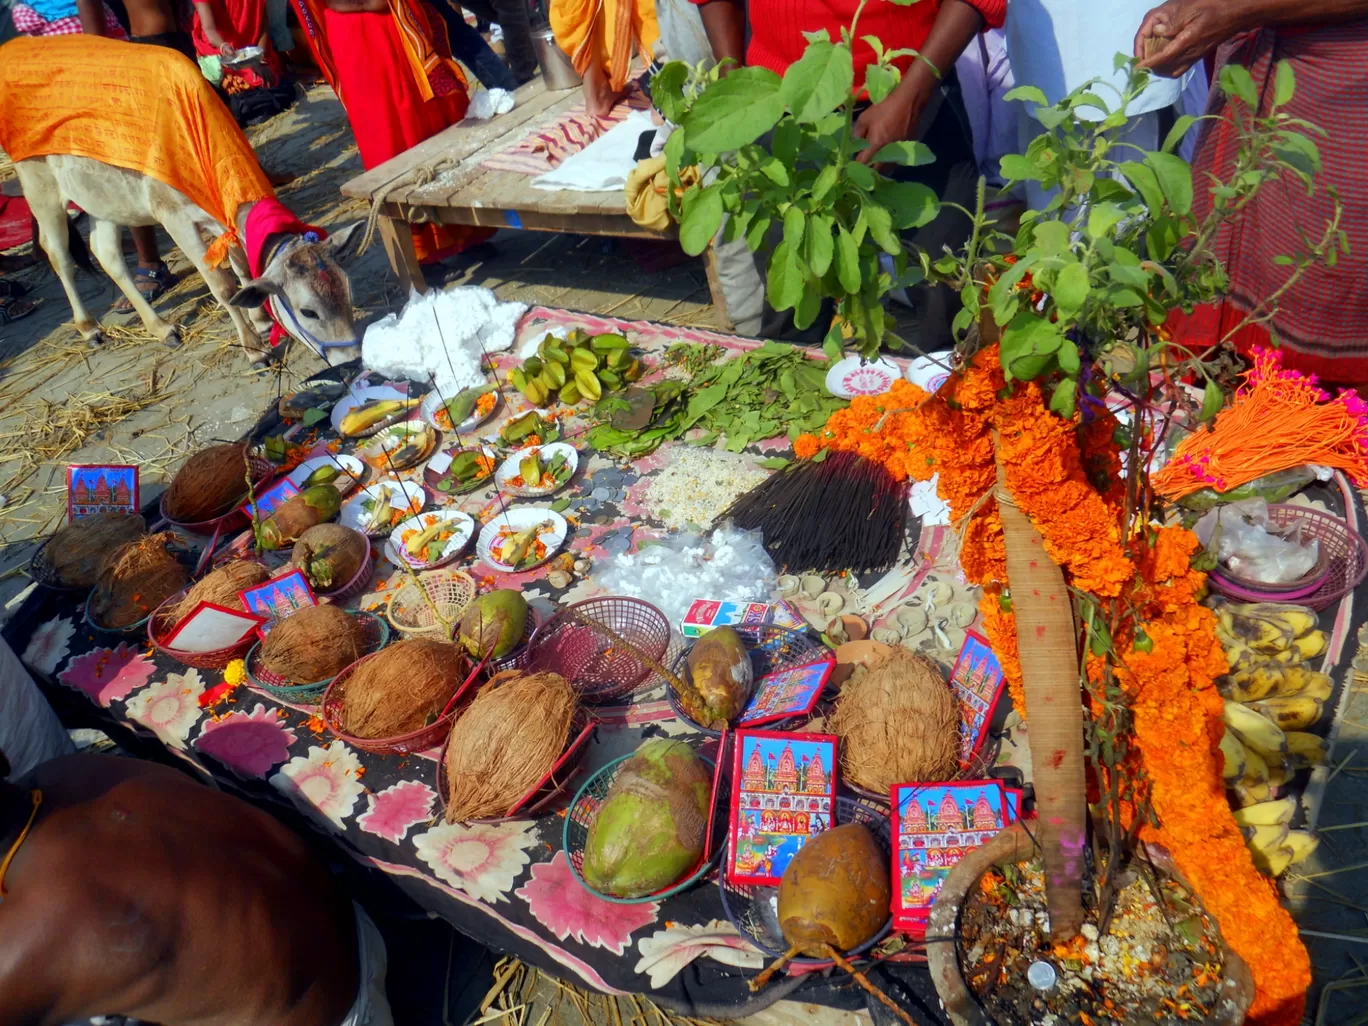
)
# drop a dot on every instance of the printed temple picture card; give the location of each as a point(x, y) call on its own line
point(278, 597)
point(783, 792)
point(211, 628)
point(977, 681)
point(934, 826)
point(101, 488)
point(786, 693)
point(271, 499)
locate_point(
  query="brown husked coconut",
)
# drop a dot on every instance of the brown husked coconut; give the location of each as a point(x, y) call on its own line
point(402, 689)
point(897, 721)
point(220, 587)
point(211, 483)
point(79, 550)
point(508, 740)
point(138, 577)
point(313, 644)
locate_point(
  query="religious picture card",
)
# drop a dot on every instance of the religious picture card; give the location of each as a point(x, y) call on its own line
point(270, 500)
point(278, 597)
point(977, 681)
point(211, 628)
point(783, 792)
point(934, 826)
point(786, 693)
point(101, 488)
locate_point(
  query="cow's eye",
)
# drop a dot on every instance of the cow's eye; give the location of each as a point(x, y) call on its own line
point(310, 314)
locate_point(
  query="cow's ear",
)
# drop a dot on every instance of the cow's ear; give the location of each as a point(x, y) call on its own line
point(255, 293)
point(342, 244)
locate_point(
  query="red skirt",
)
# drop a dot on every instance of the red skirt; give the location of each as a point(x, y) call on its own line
point(387, 111)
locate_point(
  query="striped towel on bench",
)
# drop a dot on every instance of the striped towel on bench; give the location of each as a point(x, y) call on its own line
point(544, 148)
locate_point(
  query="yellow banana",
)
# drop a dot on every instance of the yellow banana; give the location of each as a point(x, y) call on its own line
point(1263, 634)
point(1278, 774)
point(1311, 644)
point(1266, 836)
point(1247, 796)
point(1250, 686)
point(1272, 861)
point(365, 417)
point(1319, 688)
point(1256, 771)
point(1305, 749)
point(1254, 729)
point(1293, 680)
point(1296, 712)
point(1302, 844)
point(1234, 753)
point(1276, 813)
point(1298, 619)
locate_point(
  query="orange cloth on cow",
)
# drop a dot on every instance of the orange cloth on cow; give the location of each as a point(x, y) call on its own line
point(608, 30)
point(143, 108)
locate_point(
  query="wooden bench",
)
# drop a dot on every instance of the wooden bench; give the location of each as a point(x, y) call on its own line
point(440, 180)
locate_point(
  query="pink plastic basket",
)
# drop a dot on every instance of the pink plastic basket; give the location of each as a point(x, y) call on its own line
point(232, 520)
point(590, 658)
point(358, 582)
point(405, 744)
point(1345, 551)
point(162, 624)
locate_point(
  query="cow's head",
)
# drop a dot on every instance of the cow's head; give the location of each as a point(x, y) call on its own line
point(309, 294)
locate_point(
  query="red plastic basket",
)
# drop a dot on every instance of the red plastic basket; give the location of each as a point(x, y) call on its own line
point(555, 783)
point(1345, 551)
point(161, 624)
point(405, 744)
point(590, 658)
point(262, 469)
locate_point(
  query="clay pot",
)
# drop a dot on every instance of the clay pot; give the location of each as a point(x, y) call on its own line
point(856, 653)
point(1012, 845)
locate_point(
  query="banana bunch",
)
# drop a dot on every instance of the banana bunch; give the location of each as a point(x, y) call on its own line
point(578, 368)
point(1268, 646)
point(363, 418)
point(1273, 845)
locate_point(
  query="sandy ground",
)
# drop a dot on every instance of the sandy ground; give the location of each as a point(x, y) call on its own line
point(135, 401)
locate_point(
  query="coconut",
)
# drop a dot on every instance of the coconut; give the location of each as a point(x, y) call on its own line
point(506, 742)
point(402, 689)
point(78, 551)
point(211, 483)
point(897, 721)
point(312, 644)
point(220, 587)
point(330, 555)
point(138, 577)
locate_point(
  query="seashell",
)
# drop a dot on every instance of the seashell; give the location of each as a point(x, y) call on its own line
point(960, 614)
point(886, 636)
point(911, 620)
point(583, 566)
point(559, 579)
point(787, 585)
point(830, 602)
point(813, 585)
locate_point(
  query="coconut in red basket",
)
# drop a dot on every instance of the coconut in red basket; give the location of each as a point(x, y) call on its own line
point(401, 689)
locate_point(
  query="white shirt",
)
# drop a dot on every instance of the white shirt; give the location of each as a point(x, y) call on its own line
point(1057, 45)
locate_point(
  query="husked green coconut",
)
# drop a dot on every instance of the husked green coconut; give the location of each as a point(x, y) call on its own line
point(650, 829)
point(720, 677)
point(493, 624)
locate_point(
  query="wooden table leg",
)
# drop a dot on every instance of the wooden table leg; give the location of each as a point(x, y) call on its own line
point(719, 298)
point(403, 258)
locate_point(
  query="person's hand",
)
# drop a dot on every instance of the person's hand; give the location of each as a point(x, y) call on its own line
point(1177, 35)
point(896, 116)
point(227, 50)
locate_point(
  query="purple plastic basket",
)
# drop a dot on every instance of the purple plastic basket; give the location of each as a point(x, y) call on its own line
point(1345, 551)
point(589, 658)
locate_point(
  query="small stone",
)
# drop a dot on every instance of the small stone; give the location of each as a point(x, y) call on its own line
point(600, 493)
point(1041, 975)
point(1089, 931)
point(558, 579)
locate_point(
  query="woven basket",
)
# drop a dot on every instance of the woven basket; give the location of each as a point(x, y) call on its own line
point(41, 572)
point(549, 788)
point(162, 624)
point(129, 631)
point(262, 469)
point(592, 660)
point(449, 590)
point(771, 650)
point(751, 907)
point(405, 744)
point(376, 637)
point(1344, 550)
point(585, 807)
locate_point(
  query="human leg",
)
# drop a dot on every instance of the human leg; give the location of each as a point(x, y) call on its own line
point(153, 278)
point(513, 18)
point(469, 47)
point(372, 1006)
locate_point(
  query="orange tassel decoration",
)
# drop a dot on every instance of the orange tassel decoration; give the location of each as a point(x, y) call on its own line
point(1280, 419)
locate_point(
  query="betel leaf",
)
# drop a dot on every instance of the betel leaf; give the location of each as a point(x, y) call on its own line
point(1069, 360)
point(786, 280)
point(795, 224)
point(807, 308)
point(702, 218)
point(667, 90)
point(1175, 179)
point(1071, 288)
point(826, 179)
point(880, 80)
point(772, 463)
point(1212, 401)
point(847, 261)
point(820, 243)
point(313, 415)
point(1065, 398)
point(912, 204)
point(1284, 84)
point(818, 82)
point(905, 152)
point(734, 111)
point(1029, 344)
point(880, 223)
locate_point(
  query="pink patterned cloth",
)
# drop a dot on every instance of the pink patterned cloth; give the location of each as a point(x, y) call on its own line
point(545, 148)
point(31, 23)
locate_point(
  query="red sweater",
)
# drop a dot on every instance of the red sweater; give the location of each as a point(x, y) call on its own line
point(777, 27)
